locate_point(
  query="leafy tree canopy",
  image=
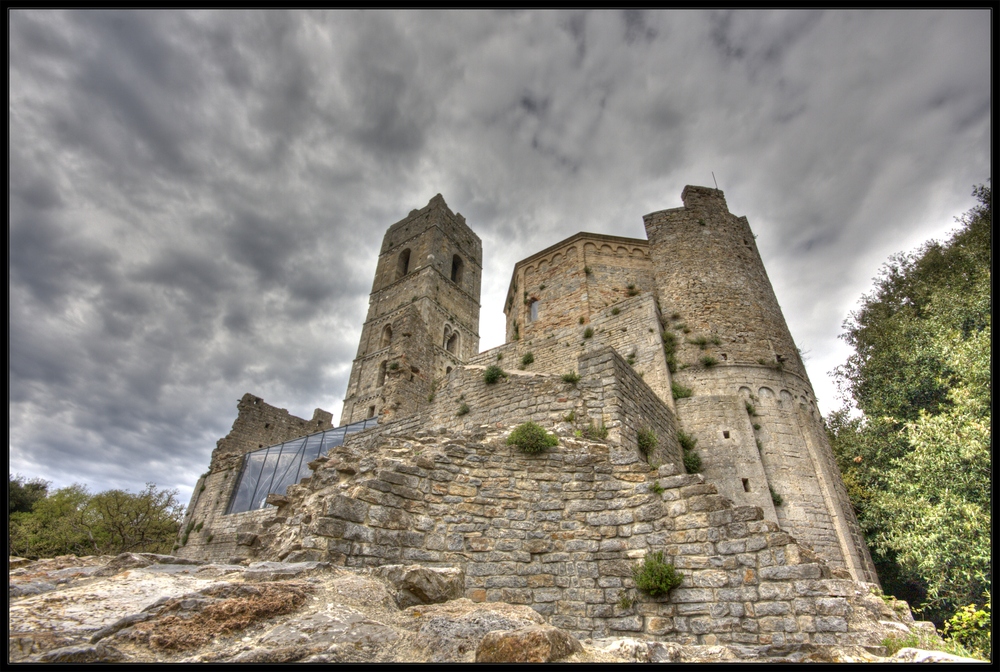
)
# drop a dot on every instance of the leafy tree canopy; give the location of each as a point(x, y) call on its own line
point(917, 461)
point(73, 521)
point(22, 494)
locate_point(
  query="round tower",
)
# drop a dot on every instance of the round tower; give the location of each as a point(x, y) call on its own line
point(750, 404)
point(714, 290)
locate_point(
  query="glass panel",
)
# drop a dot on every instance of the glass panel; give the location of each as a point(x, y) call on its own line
point(274, 468)
point(259, 500)
point(249, 478)
point(286, 470)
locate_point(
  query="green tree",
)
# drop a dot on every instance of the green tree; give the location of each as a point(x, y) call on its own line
point(52, 527)
point(22, 494)
point(917, 461)
point(72, 521)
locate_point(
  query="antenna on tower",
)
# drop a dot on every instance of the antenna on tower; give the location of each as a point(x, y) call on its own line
point(715, 180)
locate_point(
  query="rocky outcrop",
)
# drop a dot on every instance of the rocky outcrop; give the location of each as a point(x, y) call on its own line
point(104, 609)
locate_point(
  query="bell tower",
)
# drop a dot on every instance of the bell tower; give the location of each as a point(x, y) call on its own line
point(423, 313)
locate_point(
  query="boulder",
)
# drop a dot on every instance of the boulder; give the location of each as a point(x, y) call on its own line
point(531, 644)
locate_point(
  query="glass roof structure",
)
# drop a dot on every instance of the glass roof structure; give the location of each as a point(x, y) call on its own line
point(273, 469)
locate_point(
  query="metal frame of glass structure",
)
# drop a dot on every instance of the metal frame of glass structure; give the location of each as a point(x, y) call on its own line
point(272, 469)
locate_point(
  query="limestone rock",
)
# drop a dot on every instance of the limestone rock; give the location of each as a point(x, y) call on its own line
point(911, 655)
point(531, 644)
point(452, 631)
point(423, 585)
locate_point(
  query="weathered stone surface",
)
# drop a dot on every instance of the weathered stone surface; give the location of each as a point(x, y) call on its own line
point(531, 644)
point(344, 615)
point(452, 631)
point(423, 585)
point(279, 571)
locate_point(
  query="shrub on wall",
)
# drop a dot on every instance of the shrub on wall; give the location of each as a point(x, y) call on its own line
point(531, 438)
point(654, 576)
point(680, 392)
point(647, 440)
point(493, 374)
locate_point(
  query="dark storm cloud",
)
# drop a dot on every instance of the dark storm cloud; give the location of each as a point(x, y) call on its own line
point(197, 198)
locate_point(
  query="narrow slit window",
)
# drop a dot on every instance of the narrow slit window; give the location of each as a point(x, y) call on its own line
point(403, 263)
point(746, 485)
point(457, 267)
point(533, 311)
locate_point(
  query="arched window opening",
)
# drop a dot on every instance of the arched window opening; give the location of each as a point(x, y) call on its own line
point(381, 374)
point(533, 310)
point(371, 411)
point(451, 344)
point(457, 266)
point(386, 337)
point(403, 263)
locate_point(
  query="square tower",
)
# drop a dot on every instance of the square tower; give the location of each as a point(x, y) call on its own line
point(423, 313)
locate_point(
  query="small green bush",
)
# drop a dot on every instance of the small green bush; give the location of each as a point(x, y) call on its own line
point(197, 528)
point(632, 290)
point(655, 576)
point(394, 366)
point(969, 629)
point(687, 441)
point(756, 427)
point(493, 374)
point(595, 432)
point(463, 410)
point(586, 269)
point(647, 440)
point(581, 319)
point(775, 497)
point(570, 417)
point(615, 310)
point(588, 332)
point(692, 462)
point(700, 341)
point(656, 488)
point(572, 377)
point(531, 438)
point(680, 392)
point(751, 409)
point(527, 359)
point(708, 361)
point(675, 316)
point(625, 600)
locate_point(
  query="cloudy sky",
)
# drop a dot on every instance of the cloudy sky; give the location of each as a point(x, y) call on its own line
point(197, 199)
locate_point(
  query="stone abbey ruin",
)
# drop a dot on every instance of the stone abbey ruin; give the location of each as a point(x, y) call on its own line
point(636, 354)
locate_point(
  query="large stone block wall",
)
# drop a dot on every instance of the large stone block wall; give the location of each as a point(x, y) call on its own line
point(630, 326)
point(609, 394)
point(561, 532)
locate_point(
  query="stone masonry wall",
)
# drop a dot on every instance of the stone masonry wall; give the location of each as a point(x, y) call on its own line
point(573, 280)
point(630, 326)
point(257, 425)
point(560, 532)
point(791, 451)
